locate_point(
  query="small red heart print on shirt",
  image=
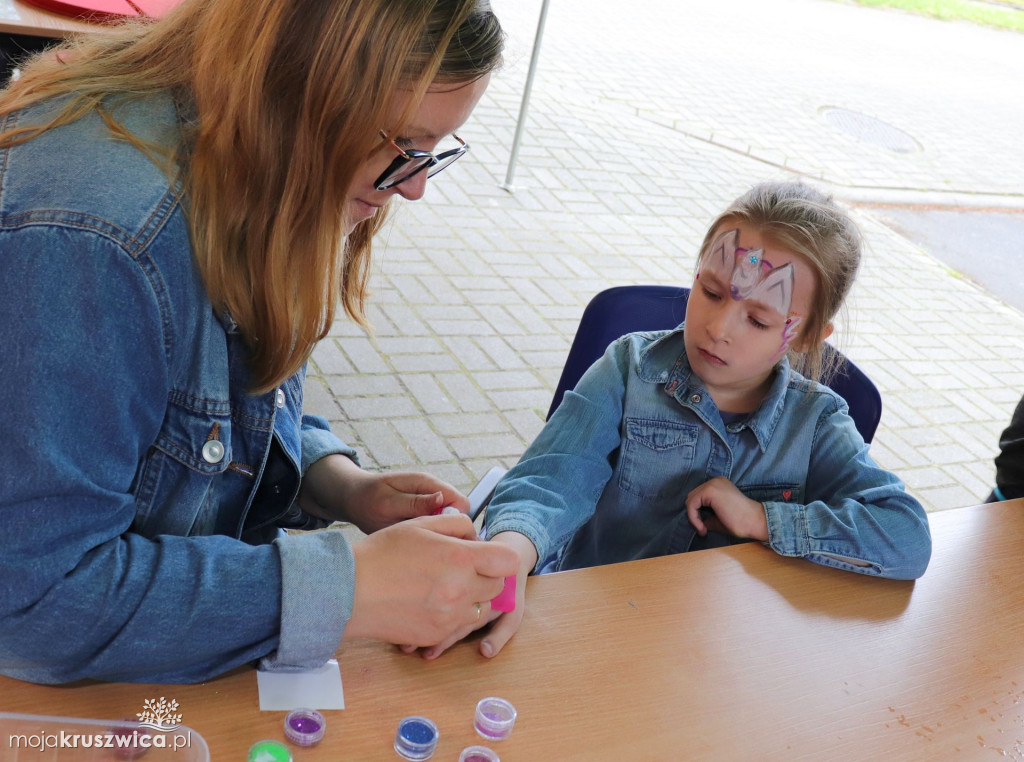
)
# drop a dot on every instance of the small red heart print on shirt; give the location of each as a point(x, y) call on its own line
point(787, 494)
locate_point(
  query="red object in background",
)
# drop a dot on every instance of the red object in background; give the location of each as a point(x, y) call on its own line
point(154, 8)
point(106, 10)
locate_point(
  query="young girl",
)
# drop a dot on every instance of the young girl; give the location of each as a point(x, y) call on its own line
point(704, 435)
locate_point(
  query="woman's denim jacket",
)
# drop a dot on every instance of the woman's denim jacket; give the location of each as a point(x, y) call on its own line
point(607, 478)
point(130, 452)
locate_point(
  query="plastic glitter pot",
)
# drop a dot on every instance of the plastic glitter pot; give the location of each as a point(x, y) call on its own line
point(126, 739)
point(269, 751)
point(416, 738)
point(494, 718)
point(304, 727)
point(478, 754)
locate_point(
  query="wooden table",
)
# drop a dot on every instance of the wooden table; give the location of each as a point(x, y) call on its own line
point(734, 653)
point(21, 18)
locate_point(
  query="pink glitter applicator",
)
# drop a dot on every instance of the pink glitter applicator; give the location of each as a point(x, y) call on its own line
point(504, 601)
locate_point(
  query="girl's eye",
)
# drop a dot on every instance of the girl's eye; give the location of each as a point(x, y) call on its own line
point(710, 294)
point(758, 324)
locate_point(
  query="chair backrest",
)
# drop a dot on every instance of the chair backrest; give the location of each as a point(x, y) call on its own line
point(625, 309)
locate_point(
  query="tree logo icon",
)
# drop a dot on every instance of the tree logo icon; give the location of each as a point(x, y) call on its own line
point(159, 715)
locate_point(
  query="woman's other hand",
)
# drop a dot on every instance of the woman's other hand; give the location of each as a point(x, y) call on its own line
point(336, 489)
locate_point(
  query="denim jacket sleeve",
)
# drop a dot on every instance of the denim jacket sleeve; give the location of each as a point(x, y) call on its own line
point(312, 622)
point(860, 519)
point(85, 360)
point(318, 442)
point(556, 485)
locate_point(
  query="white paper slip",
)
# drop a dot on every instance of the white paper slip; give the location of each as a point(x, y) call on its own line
point(315, 689)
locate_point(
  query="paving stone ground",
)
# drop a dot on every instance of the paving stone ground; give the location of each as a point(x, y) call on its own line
point(645, 120)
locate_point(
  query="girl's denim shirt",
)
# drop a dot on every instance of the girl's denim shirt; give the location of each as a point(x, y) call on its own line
point(131, 450)
point(607, 478)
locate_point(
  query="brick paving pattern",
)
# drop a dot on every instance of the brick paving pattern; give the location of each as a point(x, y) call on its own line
point(645, 120)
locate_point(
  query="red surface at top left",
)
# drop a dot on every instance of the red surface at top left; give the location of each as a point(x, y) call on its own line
point(106, 10)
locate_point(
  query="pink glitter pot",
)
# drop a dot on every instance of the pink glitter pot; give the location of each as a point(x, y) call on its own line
point(304, 727)
point(126, 739)
point(478, 754)
point(494, 718)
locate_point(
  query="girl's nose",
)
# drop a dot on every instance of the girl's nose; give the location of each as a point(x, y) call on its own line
point(719, 327)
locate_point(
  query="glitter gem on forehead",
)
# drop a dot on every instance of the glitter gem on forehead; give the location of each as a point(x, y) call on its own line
point(749, 276)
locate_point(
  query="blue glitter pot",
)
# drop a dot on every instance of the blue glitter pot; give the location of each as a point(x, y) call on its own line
point(416, 738)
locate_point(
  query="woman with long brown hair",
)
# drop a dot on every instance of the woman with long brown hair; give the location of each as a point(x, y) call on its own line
point(182, 203)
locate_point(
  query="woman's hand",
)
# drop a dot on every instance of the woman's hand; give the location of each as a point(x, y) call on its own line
point(507, 623)
point(419, 582)
point(336, 489)
point(734, 512)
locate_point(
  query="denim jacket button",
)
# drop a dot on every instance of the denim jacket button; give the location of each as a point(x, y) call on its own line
point(279, 399)
point(694, 398)
point(213, 451)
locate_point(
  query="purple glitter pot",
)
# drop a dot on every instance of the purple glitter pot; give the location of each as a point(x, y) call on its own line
point(304, 727)
point(494, 718)
point(416, 738)
point(478, 754)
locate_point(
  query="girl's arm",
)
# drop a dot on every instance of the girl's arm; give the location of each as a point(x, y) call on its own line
point(555, 487)
point(858, 516)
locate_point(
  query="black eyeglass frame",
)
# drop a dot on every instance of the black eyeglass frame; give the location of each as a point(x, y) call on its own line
point(446, 158)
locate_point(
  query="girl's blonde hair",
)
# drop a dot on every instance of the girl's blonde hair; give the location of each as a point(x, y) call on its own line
point(288, 98)
point(797, 217)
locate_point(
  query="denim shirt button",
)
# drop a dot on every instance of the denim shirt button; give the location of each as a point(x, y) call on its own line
point(213, 451)
point(734, 427)
point(694, 398)
point(279, 399)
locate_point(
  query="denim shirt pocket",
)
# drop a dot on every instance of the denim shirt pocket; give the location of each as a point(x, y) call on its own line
point(773, 493)
point(174, 484)
point(656, 455)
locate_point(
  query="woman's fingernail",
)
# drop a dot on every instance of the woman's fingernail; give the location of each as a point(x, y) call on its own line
point(487, 649)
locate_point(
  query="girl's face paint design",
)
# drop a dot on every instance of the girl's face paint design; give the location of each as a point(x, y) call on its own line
point(749, 275)
point(744, 313)
point(789, 332)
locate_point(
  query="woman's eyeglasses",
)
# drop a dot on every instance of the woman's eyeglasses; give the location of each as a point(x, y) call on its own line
point(411, 162)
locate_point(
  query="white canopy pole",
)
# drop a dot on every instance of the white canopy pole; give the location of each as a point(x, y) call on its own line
point(524, 106)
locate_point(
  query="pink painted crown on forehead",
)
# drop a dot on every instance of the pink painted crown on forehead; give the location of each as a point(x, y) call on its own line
point(748, 274)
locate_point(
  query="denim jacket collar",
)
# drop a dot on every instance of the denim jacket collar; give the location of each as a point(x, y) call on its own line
point(664, 362)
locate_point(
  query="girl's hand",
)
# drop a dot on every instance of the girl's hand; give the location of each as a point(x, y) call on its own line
point(507, 623)
point(737, 514)
point(419, 582)
point(336, 489)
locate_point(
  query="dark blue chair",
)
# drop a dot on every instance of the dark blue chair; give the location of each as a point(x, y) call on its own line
point(626, 309)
